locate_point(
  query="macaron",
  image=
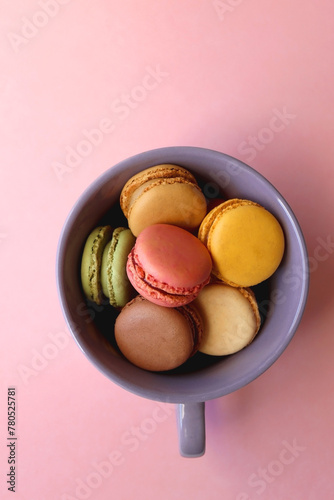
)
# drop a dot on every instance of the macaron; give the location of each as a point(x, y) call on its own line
point(91, 263)
point(168, 265)
point(246, 242)
point(114, 279)
point(230, 318)
point(163, 194)
point(103, 266)
point(157, 338)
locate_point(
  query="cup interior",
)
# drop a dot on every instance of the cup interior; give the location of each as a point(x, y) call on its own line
point(281, 298)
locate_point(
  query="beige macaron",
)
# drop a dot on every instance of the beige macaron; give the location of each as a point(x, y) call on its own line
point(163, 194)
point(230, 318)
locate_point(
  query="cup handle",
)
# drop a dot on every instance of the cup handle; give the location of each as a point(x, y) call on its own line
point(191, 429)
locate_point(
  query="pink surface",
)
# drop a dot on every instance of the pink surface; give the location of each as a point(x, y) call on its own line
point(86, 84)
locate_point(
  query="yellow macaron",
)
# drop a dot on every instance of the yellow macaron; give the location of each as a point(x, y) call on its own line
point(163, 194)
point(245, 240)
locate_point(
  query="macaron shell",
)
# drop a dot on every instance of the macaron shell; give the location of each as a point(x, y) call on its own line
point(152, 337)
point(230, 318)
point(91, 262)
point(216, 212)
point(167, 201)
point(115, 283)
point(246, 242)
point(162, 171)
point(153, 294)
point(173, 257)
point(121, 290)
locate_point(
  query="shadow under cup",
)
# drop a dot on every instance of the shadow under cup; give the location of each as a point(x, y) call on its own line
point(201, 380)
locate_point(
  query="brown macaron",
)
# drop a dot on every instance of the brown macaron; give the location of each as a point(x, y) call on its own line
point(157, 338)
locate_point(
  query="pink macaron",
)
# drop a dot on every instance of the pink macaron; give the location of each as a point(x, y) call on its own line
point(168, 265)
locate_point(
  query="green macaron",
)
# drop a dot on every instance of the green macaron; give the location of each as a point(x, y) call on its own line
point(103, 266)
point(91, 263)
point(114, 280)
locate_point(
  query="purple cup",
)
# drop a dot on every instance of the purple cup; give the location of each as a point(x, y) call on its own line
point(188, 388)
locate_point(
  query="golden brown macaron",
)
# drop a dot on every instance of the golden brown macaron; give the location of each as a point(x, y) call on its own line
point(246, 242)
point(230, 318)
point(163, 194)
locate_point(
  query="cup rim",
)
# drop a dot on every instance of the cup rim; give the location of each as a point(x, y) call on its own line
point(157, 393)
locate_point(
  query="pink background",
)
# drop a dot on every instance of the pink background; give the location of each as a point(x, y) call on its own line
point(152, 74)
